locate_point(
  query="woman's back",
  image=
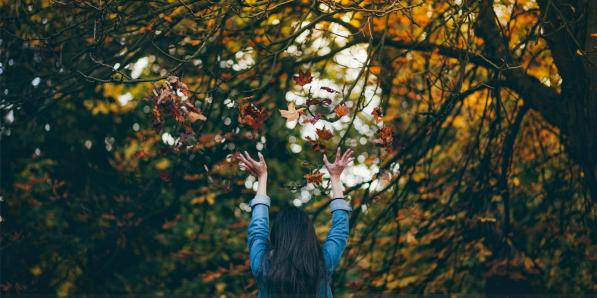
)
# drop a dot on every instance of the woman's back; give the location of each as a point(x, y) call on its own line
point(261, 259)
point(292, 261)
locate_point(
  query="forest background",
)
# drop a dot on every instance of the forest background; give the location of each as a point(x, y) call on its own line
point(474, 124)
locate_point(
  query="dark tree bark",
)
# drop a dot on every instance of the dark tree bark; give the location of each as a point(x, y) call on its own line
point(567, 28)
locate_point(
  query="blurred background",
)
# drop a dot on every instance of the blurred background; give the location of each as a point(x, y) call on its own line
point(473, 124)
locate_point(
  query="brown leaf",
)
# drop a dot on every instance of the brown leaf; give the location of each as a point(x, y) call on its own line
point(177, 114)
point(317, 146)
point(377, 113)
point(384, 137)
point(324, 133)
point(303, 78)
point(249, 114)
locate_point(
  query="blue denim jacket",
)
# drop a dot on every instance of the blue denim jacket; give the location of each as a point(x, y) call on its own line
point(258, 241)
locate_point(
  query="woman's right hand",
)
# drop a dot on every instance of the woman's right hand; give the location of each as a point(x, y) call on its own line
point(256, 168)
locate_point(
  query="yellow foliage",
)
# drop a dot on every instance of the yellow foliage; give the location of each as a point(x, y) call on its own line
point(36, 270)
point(162, 164)
point(210, 198)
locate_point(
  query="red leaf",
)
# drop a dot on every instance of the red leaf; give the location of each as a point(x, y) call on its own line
point(303, 78)
point(330, 90)
point(315, 177)
point(165, 176)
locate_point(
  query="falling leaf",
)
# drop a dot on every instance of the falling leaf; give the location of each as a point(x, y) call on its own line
point(303, 78)
point(177, 114)
point(251, 115)
point(313, 101)
point(315, 177)
point(165, 95)
point(330, 90)
point(183, 253)
point(375, 70)
point(140, 154)
point(165, 176)
point(317, 101)
point(579, 52)
point(384, 137)
point(313, 119)
point(341, 110)
point(193, 116)
point(377, 113)
point(324, 133)
point(317, 146)
point(291, 114)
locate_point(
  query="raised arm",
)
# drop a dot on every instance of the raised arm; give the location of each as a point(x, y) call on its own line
point(258, 230)
point(335, 242)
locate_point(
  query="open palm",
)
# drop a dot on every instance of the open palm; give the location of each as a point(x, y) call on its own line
point(256, 168)
point(342, 160)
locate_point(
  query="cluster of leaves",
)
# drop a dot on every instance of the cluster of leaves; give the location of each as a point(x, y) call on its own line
point(173, 102)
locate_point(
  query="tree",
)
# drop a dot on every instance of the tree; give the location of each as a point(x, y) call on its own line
point(475, 121)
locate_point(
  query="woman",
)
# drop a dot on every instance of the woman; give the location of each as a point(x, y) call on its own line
point(292, 262)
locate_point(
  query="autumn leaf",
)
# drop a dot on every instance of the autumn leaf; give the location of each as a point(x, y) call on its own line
point(330, 90)
point(341, 110)
point(384, 137)
point(377, 113)
point(375, 70)
point(292, 113)
point(313, 101)
point(317, 146)
point(315, 177)
point(313, 119)
point(194, 116)
point(251, 115)
point(303, 78)
point(177, 114)
point(165, 176)
point(317, 101)
point(324, 133)
point(140, 154)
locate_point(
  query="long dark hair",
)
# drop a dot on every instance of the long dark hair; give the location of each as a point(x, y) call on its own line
point(296, 265)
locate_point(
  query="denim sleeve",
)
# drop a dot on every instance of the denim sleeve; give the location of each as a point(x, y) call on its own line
point(335, 242)
point(258, 239)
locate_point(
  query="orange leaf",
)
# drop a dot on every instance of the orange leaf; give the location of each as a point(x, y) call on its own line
point(315, 177)
point(196, 116)
point(341, 110)
point(374, 70)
